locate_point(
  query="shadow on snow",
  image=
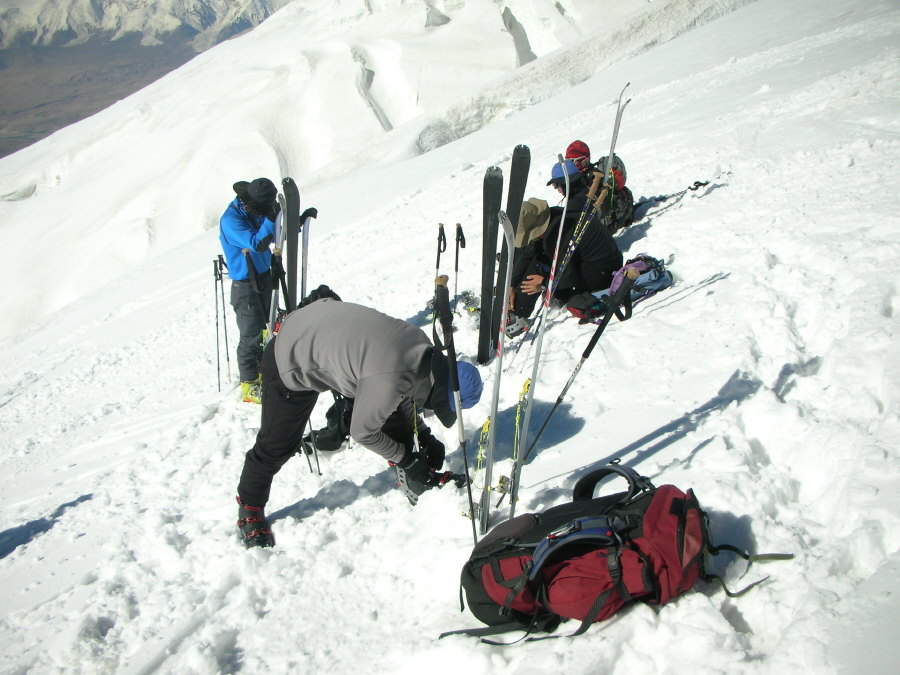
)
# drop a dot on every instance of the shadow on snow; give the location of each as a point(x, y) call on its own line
point(20, 535)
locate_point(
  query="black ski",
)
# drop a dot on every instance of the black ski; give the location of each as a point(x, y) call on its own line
point(291, 223)
point(493, 195)
point(518, 177)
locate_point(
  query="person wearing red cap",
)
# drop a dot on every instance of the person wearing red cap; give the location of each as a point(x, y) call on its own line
point(621, 201)
point(591, 266)
point(580, 154)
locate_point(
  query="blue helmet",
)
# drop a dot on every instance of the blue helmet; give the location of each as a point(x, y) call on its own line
point(441, 399)
point(470, 386)
point(556, 174)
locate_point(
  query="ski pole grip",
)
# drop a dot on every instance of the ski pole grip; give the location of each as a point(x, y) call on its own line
point(460, 237)
point(595, 185)
point(442, 304)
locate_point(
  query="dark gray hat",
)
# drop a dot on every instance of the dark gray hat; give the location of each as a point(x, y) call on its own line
point(259, 194)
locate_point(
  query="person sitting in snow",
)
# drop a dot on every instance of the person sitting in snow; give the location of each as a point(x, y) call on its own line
point(388, 366)
point(591, 266)
point(618, 211)
point(248, 224)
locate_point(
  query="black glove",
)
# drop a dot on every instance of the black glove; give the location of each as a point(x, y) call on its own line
point(311, 212)
point(414, 476)
point(433, 450)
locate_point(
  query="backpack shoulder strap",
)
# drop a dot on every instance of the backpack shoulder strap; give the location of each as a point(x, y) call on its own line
point(584, 488)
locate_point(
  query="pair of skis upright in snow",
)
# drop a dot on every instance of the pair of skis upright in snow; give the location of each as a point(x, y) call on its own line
point(288, 229)
point(495, 300)
point(495, 296)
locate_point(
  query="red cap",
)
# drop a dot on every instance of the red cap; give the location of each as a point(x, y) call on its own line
point(577, 150)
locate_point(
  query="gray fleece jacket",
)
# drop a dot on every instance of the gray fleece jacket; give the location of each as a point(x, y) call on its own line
point(382, 363)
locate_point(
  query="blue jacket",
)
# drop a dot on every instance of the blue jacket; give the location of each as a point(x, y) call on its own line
point(237, 231)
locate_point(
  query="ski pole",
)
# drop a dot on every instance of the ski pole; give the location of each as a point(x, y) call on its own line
point(442, 308)
point(441, 247)
point(222, 266)
point(622, 295)
point(460, 243)
point(485, 513)
point(216, 295)
point(304, 251)
point(315, 449)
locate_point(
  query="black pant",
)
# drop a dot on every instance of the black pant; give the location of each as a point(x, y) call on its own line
point(252, 312)
point(284, 416)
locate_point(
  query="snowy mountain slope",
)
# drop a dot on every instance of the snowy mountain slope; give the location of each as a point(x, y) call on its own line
point(266, 106)
point(765, 379)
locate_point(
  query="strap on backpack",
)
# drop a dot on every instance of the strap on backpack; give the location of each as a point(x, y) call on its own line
point(584, 488)
point(540, 622)
point(750, 558)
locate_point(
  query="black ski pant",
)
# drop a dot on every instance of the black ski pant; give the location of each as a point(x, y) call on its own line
point(582, 277)
point(252, 312)
point(284, 416)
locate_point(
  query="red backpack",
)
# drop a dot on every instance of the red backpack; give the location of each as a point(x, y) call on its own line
point(587, 559)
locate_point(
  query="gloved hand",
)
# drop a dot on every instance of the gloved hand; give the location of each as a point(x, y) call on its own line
point(414, 476)
point(311, 212)
point(433, 450)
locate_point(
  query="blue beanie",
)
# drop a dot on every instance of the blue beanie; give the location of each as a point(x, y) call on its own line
point(470, 386)
point(556, 174)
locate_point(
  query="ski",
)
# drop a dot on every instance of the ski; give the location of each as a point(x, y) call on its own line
point(485, 513)
point(292, 231)
point(594, 201)
point(492, 196)
point(539, 341)
point(518, 177)
point(591, 207)
point(275, 313)
point(517, 439)
point(475, 509)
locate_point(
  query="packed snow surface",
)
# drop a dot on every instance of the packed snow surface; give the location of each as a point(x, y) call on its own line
point(765, 378)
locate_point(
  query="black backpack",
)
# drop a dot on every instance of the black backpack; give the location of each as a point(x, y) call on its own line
point(337, 425)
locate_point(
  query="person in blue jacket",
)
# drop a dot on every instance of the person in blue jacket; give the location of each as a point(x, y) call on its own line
point(246, 230)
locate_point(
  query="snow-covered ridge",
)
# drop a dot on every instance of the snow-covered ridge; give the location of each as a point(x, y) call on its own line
point(56, 22)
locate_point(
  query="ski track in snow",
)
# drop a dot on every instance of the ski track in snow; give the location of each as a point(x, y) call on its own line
point(765, 379)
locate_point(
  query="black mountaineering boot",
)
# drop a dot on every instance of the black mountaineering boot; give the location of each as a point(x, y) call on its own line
point(255, 530)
